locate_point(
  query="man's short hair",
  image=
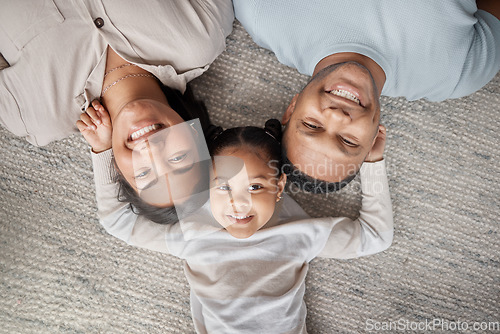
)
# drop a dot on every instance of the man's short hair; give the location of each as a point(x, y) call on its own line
point(309, 184)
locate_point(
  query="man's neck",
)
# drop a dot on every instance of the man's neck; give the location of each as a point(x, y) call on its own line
point(376, 71)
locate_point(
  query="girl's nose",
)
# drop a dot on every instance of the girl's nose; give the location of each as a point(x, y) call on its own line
point(241, 203)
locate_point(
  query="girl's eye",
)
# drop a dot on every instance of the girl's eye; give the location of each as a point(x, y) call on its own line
point(143, 174)
point(255, 187)
point(310, 126)
point(178, 158)
point(348, 143)
point(224, 187)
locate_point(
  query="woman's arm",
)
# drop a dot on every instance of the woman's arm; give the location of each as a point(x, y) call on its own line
point(117, 218)
point(372, 232)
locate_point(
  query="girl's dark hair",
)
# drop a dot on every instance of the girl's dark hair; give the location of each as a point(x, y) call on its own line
point(188, 107)
point(265, 140)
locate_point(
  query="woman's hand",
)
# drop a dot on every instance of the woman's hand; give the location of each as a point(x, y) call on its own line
point(377, 151)
point(95, 126)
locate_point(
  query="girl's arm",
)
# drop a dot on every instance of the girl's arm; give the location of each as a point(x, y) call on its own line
point(372, 232)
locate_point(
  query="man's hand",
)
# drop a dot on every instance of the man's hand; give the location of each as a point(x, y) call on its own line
point(377, 151)
point(95, 126)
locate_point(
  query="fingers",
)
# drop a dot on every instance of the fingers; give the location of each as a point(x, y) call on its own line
point(93, 116)
point(101, 112)
point(82, 127)
point(96, 112)
point(96, 119)
point(87, 121)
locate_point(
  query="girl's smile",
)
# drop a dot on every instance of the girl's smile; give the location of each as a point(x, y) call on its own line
point(244, 190)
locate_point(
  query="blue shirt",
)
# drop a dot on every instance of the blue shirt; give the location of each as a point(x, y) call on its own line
point(427, 48)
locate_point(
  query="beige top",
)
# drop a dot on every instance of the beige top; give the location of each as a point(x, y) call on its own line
point(57, 53)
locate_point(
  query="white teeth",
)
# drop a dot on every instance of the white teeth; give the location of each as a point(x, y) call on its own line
point(345, 94)
point(239, 217)
point(143, 131)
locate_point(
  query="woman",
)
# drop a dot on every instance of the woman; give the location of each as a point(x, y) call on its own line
point(65, 54)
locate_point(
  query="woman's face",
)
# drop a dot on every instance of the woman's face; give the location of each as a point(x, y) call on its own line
point(156, 152)
point(244, 191)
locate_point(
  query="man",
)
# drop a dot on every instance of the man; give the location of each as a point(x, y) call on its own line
point(358, 50)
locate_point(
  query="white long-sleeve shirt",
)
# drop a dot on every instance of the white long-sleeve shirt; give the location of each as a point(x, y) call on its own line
point(253, 285)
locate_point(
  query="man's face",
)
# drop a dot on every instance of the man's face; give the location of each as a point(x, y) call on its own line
point(331, 125)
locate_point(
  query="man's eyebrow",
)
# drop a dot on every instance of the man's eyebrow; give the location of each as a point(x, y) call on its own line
point(306, 133)
point(349, 153)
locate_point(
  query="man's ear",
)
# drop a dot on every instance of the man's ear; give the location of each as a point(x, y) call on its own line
point(289, 110)
point(376, 152)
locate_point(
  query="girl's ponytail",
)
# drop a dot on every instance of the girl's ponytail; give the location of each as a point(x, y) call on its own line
point(212, 132)
point(265, 142)
point(273, 128)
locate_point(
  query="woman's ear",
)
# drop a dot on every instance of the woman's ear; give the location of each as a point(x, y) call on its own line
point(289, 110)
point(281, 186)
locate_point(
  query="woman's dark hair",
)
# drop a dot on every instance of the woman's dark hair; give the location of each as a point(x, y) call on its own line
point(265, 141)
point(188, 107)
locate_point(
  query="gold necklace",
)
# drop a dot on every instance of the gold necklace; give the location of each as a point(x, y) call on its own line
point(134, 75)
point(117, 68)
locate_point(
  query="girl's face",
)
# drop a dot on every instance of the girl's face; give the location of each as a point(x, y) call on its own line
point(244, 191)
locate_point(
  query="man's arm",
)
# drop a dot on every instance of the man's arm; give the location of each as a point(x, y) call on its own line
point(490, 6)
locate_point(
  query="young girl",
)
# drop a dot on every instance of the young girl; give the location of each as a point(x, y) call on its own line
point(247, 275)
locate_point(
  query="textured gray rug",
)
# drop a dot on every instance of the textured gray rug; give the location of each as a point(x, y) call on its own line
point(60, 272)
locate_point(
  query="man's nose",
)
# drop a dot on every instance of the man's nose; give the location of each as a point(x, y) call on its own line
point(337, 115)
